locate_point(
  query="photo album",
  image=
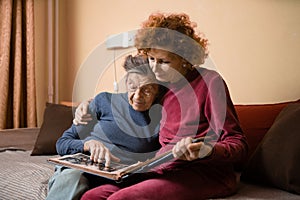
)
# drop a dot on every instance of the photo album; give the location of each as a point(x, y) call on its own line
point(116, 171)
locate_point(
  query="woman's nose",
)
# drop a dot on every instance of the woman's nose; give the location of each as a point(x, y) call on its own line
point(138, 93)
point(154, 66)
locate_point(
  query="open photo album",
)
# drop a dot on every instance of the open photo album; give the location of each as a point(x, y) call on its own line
point(116, 171)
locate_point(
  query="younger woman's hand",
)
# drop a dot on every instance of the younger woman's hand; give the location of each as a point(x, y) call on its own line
point(186, 150)
point(82, 117)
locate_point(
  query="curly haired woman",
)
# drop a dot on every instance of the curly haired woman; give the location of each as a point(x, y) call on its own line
point(197, 104)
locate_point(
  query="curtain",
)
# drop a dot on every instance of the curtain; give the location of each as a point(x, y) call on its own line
point(17, 74)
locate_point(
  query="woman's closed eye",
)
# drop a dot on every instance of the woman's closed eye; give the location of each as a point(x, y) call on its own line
point(147, 91)
point(159, 61)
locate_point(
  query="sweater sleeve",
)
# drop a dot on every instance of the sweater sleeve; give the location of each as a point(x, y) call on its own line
point(73, 139)
point(230, 145)
point(69, 142)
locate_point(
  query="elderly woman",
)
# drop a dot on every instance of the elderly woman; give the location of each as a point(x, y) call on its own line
point(197, 104)
point(124, 128)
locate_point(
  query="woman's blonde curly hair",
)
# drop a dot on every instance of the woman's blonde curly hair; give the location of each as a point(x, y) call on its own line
point(169, 32)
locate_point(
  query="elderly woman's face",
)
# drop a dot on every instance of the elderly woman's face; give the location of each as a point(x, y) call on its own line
point(141, 91)
point(166, 66)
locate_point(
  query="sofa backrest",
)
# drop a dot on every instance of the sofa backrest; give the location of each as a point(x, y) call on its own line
point(257, 119)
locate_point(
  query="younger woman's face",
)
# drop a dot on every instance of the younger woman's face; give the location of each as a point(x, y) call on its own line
point(167, 67)
point(142, 92)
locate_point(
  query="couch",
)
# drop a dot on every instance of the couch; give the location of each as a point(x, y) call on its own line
point(25, 172)
point(273, 164)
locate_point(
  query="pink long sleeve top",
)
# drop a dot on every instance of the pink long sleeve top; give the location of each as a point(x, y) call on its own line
point(201, 106)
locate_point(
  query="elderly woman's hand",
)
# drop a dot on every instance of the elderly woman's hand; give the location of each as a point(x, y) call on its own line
point(185, 149)
point(99, 152)
point(82, 117)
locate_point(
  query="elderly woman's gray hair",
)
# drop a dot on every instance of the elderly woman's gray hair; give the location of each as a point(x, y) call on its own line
point(139, 64)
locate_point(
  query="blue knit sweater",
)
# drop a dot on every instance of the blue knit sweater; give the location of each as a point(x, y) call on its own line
point(129, 134)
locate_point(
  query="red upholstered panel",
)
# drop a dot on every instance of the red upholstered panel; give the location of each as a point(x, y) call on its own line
point(257, 119)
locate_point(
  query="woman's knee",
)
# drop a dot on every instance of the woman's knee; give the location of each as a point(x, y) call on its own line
point(101, 192)
point(69, 178)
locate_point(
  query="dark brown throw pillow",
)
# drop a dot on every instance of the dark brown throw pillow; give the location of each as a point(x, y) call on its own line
point(57, 118)
point(276, 161)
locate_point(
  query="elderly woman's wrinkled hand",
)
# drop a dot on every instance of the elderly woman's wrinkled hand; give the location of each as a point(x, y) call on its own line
point(99, 152)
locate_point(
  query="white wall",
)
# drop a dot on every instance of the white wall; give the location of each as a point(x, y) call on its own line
point(253, 43)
